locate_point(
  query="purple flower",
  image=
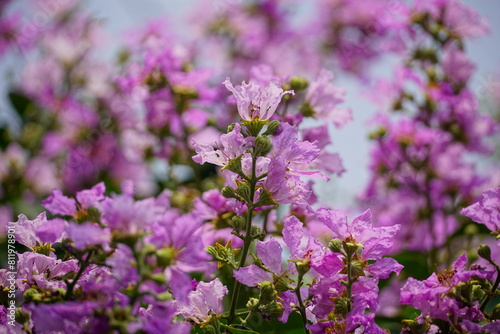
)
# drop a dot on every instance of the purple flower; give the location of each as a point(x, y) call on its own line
point(299, 155)
point(285, 188)
point(376, 241)
point(436, 296)
point(87, 198)
point(486, 211)
point(323, 97)
point(59, 204)
point(255, 101)
point(68, 317)
point(157, 318)
point(232, 145)
point(88, 234)
point(269, 253)
point(204, 302)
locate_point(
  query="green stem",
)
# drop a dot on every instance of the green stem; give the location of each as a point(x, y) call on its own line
point(493, 289)
point(247, 242)
point(302, 308)
point(139, 260)
point(350, 281)
point(71, 286)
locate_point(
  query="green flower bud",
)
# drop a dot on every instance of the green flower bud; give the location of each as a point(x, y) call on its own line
point(271, 128)
point(477, 292)
point(165, 256)
point(93, 214)
point(243, 191)
point(273, 309)
point(351, 247)
point(43, 249)
point(357, 268)
point(230, 127)
point(228, 192)
point(256, 231)
point(377, 133)
point(303, 266)
point(306, 110)
point(267, 292)
point(164, 296)
point(252, 304)
point(158, 278)
point(21, 317)
point(484, 251)
point(262, 146)
point(336, 246)
point(32, 295)
point(471, 230)
point(341, 306)
point(209, 329)
point(238, 223)
point(298, 83)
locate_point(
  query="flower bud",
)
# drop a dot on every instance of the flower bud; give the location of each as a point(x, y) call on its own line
point(252, 304)
point(164, 296)
point(243, 190)
point(262, 146)
point(302, 265)
point(271, 128)
point(377, 133)
point(351, 247)
point(44, 249)
point(341, 306)
point(230, 127)
point(238, 223)
point(93, 214)
point(165, 256)
point(228, 192)
point(209, 329)
point(306, 110)
point(256, 231)
point(267, 292)
point(298, 83)
point(484, 251)
point(336, 246)
point(273, 309)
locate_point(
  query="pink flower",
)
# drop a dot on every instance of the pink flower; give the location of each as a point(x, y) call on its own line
point(255, 101)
